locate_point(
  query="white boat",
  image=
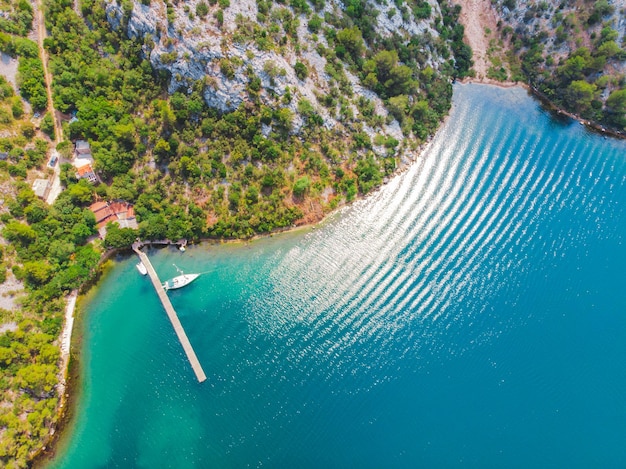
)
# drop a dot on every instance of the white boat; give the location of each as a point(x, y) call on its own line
point(142, 268)
point(181, 281)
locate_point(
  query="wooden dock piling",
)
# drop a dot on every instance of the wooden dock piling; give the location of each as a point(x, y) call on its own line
point(171, 313)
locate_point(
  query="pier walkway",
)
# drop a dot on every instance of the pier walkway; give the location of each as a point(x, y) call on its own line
point(171, 313)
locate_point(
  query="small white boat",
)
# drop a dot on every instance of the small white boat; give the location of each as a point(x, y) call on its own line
point(181, 281)
point(142, 268)
point(181, 249)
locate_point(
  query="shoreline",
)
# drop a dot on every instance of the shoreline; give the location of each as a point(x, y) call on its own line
point(551, 106)
point(492, 82)
point(55, 429)
point(66, 392)
point(67, 385)
point(69, 370)
point(591, 125)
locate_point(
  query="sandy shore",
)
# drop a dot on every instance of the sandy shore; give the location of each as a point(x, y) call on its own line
point(66, 341)
point(492, 82)
point(66, 337)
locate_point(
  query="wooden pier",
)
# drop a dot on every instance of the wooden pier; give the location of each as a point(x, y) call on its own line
point(171, 313)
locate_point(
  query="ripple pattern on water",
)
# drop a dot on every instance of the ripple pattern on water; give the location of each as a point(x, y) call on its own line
point(460, 315)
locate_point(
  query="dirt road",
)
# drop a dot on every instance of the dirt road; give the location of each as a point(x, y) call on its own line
point(477, 16)
point(41, 35)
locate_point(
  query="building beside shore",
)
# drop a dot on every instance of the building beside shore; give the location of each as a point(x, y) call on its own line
point(119, 212)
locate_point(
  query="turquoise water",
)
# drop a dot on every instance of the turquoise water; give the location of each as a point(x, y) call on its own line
point(471, 313)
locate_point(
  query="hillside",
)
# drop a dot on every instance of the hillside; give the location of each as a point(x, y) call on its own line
point(573, 52)
point(331, 97)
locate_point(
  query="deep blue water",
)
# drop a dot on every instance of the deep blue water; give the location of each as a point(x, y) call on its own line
point(471, 313)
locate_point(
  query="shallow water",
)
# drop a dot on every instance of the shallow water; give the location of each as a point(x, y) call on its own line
point(470, 313)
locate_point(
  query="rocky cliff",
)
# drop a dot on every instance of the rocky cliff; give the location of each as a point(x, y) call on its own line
point(227, 47)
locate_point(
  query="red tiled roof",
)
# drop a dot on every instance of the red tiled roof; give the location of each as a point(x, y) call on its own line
point(106, 212)
point(104, 215)
point(98, 206)
point(117, 207)
point(107, 219)
point(84, 170)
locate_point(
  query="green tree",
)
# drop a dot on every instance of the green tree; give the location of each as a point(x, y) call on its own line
point(301, 186)
point(616, 108)
point(369, 174)
point(315, 24)
point(61, 250)
point(609, 49)
point(38, 380)
point(37, 273)
point(82, 192)
point(18, 232)
point(162, 150)
point(117, 237)
point(398, 106)
point(31, 82)
point(47, 125)
point(17, 107)
point(284, 119)
point(352, 41)
point(301, 70)
point(616, 101)
point(581, 94)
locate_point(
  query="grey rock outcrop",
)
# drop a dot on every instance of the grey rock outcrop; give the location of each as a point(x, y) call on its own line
point(192, 48)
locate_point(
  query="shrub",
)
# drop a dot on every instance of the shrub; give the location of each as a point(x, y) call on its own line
point(17, 107)
point(301, 186)
point(47, 125)
point(315, 24)
point(202, 9)
point(219, 16)
point(301, 71)
point(226, 67)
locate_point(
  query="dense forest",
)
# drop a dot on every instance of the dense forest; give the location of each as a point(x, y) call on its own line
point(209, 173)
point(190, 169)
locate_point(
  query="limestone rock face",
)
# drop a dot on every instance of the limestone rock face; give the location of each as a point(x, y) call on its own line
point(564, 27)
point(193, 48)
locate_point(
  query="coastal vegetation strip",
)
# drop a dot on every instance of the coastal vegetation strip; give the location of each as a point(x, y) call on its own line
point(31, 322)
point(572, 54)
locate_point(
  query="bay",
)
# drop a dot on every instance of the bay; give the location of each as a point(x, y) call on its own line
point(470, 313)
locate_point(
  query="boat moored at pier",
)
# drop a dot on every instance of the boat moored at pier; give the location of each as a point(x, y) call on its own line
point(142, 268)
point(180, 281)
